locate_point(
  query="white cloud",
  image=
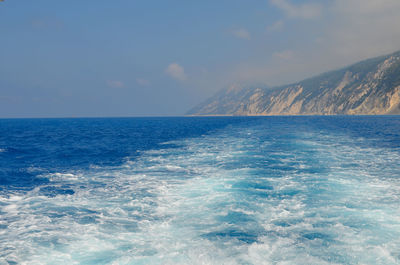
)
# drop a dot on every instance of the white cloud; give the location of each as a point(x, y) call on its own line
point(176, 71)
point(115, 83)
point(241, 34)
point(277, 26)
point(284, 55)
point(304, 11)
point(142, 82)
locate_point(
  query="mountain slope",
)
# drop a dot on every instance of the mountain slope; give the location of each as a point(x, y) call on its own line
point(368, 87)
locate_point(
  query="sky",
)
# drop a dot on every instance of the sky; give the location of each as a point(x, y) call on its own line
point(161, 57)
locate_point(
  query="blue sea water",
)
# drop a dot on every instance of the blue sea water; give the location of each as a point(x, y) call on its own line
point(215, 190)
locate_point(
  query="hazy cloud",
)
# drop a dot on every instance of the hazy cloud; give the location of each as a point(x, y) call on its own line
point(367, 7)
point(277, 26)
point(364, 28)
point(285, 55)
point(241, 34)
point(176, 71)
point(304, 10)
point(142, 82)
point(115, 83)
point(352, 30)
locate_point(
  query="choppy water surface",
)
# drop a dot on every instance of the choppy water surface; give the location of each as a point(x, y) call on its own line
point(260, 190)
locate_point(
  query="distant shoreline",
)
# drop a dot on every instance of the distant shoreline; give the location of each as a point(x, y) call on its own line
point(288, 115)
point(198, 116)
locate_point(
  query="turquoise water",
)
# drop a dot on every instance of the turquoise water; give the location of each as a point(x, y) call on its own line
point(255, 190)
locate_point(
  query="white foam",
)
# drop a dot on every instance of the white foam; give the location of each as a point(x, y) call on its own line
point(173, 206)
point(63, 176)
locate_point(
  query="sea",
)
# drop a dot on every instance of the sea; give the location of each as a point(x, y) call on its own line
point(200, 190)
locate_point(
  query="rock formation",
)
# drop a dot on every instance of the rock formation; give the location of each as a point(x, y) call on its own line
point(369, 87)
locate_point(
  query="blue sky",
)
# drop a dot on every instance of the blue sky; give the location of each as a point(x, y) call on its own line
point(135, 58)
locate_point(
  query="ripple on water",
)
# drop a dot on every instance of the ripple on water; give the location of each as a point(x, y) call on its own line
point(231, 197)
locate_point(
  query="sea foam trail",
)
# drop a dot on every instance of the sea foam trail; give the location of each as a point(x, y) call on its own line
point(237, 196)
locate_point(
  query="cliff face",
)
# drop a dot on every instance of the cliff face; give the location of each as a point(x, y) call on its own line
point(368, 87)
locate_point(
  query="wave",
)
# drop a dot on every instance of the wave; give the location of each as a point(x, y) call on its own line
point(238, 196)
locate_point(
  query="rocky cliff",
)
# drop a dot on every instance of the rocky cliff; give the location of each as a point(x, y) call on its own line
point(368, 87)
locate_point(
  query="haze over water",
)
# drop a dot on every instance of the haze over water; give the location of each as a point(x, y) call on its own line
point(221, 190)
